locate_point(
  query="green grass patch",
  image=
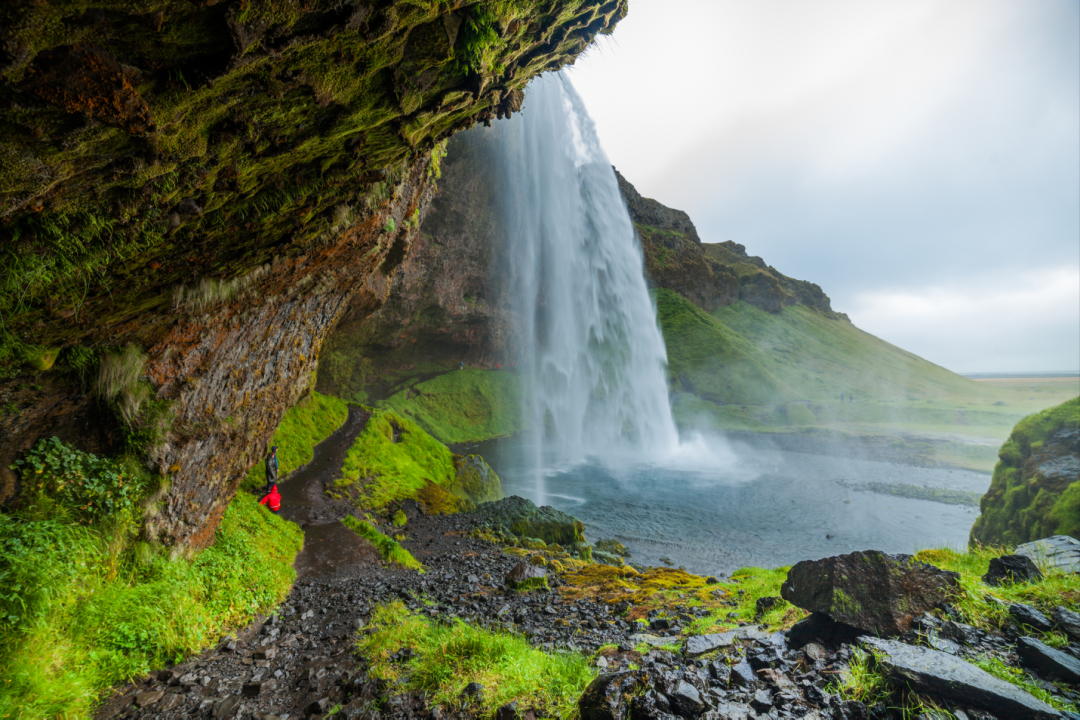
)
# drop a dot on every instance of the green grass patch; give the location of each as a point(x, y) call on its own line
point(463, 405)
point(304, 426)
point(84, 607)
point(390, 550)
point(1018, 677)
point(449, 657)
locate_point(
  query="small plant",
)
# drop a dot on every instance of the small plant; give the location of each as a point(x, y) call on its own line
point(90, 486)
point(118, 382)
point(388, 228)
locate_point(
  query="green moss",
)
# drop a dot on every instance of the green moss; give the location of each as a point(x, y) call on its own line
point(389, 549)
point(532, 585)
point(400, 519)
point(88, 607)
point(447, 657)
point(463, 405)
point(1021, 504)
point(304, 426)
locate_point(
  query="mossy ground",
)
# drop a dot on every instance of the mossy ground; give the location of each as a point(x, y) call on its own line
point(741, 368)
point(390, 550)
point(86, 607)
point(463, 405)
point(304, 426)
point(1021, 505)
point(449, 657)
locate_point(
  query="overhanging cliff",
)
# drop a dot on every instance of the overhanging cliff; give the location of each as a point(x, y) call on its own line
point(212, 185)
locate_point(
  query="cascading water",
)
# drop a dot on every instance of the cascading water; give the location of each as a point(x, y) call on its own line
point(592, 355)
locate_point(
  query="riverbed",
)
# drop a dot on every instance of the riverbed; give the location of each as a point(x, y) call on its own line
point(751, 506)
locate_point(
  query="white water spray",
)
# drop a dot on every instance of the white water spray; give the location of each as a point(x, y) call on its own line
point(593, 355)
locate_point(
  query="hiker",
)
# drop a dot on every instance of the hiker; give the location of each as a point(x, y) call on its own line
point(271, 468)
point(272, 500)
point(462, 364)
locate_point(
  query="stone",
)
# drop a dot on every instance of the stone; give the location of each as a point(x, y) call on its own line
point(1068, 621)
point(521, 517)
point(761, 701)
point(1060, 552)
point(720, 672)
point(1010, 569)
point(612, 547)
point(650, 706)
point(507, 712)
point(523, 575)
point(318, 707)
point(266, 654)
point(660, 623)
point(473, 690)
point(1030, 617)
point(778, 680)
point(227, 708)
point(743, 675)
point(1039, 656)
point(870, 590)
point(953, 681)
point(654, 640)
point(686, 699)
point(764, 605)
point(701, 644)
point(257, 688)
point(821, 629)
point(148, 698)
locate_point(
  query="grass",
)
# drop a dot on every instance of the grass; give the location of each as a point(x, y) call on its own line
point(741, 368)
point(83, 608)
point(389, 549)
point(1017, 677)
point(304, 426)
point(463, 405)
point(449, 657)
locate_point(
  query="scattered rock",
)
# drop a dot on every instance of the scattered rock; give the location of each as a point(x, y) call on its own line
point(954, 682)
point(686, 699)
point(654, 640)
point(525, 575)
point(1039, 656)
point(764, 605)
point(1010, 569)
point(870, 590)
point(701, 644)
point(148, 698)
point(1029, 616)
point(1059, 552)
point(606, 698)
point(1068, 621)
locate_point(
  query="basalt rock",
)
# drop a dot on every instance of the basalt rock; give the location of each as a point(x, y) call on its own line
point(1046, 660)
point(1011, 568)
point(1060, 552)
point(525, 576)
point(522, 518)
point(608, 696)
point(870, 590)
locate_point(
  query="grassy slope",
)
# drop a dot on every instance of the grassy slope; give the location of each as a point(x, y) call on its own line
point(743, 368)
point(86, 607)
point(1020, 507)
point(304, 426)
point(463, 405)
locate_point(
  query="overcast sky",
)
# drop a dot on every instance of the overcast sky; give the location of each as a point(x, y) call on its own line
point(920, 160)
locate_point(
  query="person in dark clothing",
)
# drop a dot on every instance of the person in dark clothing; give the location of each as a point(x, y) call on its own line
point(272, 500)
point(271, 468)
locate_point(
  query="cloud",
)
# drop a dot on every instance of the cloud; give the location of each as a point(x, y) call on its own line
point(1003, 323)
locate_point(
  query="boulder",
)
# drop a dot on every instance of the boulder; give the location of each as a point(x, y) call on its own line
point(613, 547)
point(1068, 621)
point(1059, 552)
point(606, 698)
point(475, 480)
point(522, 518)
point(526, 576)
point(820, 628)
point(1011, 568)
point(870, 590)
point(954, 682)
point(1029, 616)
point(701, 644)
point(1044, 659)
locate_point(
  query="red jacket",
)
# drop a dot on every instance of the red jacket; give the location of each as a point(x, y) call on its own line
point(272, 499)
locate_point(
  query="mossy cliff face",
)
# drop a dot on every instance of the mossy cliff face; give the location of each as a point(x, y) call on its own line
point(1035, 492)
point(217, 184)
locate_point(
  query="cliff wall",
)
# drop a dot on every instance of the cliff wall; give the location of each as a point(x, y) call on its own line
point(213, 186)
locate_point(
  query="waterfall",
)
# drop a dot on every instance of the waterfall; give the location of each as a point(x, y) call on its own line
point(591, 355)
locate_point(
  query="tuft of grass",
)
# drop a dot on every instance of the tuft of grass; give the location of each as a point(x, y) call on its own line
point(463, 405)
point(83, 608)
point(449, 657)
point(390, 550)
point(118, 382)
point(1016, 676)
point(304, 426)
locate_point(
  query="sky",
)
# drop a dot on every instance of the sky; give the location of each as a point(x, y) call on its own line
point(919, 160)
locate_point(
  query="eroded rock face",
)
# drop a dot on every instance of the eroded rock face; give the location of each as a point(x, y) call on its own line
point(869, 590)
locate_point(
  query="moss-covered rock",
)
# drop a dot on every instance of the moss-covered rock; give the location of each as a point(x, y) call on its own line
point(475, 479)
point(1035, 491)
point(524, 519)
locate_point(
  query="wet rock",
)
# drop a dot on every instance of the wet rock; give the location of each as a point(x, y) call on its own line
point(612, 547)
point(1010, 569)
point(701, 644)
point(525, 575)
point(1068, 621)
point(764, 605)
point(227, 708)
point(821, 629)
point(654, 640)
point(507, 712)
point(473, 690)
point(743, 676)
point(1039, 656)
point(1029, 616)
point(954, 682)
point(720, 672)
point(521, 517)
point(148, 698)
point(686, 699)
point(761, 701)
point(606, 697)
point(660, 623)
point(870, 590)
point(1059, 552)
point(650, 706)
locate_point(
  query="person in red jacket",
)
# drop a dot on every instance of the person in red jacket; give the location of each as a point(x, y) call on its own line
point(272, 500)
